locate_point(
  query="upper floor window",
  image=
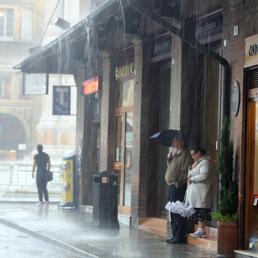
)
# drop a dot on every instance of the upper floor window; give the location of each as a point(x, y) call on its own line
point(6, 23)
point(5, 85)
point(26, 26)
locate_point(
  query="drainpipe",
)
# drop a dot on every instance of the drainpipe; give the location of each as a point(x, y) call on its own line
point(225, 111)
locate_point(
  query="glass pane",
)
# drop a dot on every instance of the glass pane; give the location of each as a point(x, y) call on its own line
point(9, 23)
point(128, 158)
point(1, 26)
point(119, 139)
point(125, 91)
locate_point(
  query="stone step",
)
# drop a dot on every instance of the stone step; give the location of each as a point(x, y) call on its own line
point(157, 226)
point(245, 254)
point(208, 243)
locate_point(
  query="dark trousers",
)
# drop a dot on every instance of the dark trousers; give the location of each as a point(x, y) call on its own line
point(41, 182)
point(178, 223)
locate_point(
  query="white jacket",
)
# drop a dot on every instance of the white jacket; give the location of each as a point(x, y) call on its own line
point(199, 191)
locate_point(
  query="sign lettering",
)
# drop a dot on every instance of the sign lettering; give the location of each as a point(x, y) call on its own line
point(124, 70)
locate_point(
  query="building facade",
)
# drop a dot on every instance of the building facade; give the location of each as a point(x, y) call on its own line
point(165, 64)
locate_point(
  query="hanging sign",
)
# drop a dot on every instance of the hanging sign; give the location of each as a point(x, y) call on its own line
point(61, 100)
point(35, 84)
point(90, 86)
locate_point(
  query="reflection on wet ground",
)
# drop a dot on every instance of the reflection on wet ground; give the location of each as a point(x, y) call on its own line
point(75, 228)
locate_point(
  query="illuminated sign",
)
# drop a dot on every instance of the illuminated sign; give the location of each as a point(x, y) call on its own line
point(90, 86)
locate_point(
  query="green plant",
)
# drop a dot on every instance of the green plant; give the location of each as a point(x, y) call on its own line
point(227, 207)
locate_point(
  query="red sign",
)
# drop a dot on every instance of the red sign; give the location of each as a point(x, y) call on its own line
point(90, 86)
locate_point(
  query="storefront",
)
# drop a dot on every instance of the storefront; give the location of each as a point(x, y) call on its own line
point(251, 85)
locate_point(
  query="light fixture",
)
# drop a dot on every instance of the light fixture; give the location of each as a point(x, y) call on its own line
point(62, 23)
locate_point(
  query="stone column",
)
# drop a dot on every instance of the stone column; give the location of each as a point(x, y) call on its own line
point(176, 79)
point(107, 116)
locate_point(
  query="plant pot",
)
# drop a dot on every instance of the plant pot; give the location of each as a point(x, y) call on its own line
point(227, 239)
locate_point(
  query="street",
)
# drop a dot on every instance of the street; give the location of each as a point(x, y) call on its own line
point(16, 244)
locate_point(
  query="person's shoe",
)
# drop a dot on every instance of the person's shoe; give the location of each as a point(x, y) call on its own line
point(39, 204)
point(199, 234)
point(175, 240)
point(46, 203)
point(169, 240)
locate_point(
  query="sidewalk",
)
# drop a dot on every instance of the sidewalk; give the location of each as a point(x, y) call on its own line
point(75, 230)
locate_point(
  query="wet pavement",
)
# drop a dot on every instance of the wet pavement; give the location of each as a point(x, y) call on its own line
point(17, 244)
point(74, 231)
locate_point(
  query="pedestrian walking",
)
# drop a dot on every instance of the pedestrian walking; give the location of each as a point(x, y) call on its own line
point(176, 178)
point(199, 189)
point(42, 163)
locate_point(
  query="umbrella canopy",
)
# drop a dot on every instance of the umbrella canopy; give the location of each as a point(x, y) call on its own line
point(165, 137)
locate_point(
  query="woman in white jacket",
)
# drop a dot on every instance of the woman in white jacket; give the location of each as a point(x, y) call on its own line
point(199, 188)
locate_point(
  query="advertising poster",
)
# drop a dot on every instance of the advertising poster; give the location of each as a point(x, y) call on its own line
point(68, 181)
point(61, 100)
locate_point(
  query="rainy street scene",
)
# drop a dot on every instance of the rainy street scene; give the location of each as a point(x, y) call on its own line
point(128, 128)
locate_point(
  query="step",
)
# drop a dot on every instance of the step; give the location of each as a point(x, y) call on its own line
point(208, 243)
point(245, 254)
point(157, 226)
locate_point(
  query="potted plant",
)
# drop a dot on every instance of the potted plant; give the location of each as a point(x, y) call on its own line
point(226, 215)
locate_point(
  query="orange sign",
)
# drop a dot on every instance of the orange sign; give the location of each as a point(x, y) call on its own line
point(90, 86)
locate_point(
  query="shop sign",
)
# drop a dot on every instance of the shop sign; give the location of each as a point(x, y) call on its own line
point(124, 71)
point(90, 86)
point(22, 146)
point(251, 51)
point(61, 100)
point(235, 98)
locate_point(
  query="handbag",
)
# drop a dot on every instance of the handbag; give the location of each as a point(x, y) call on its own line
point(49, 175)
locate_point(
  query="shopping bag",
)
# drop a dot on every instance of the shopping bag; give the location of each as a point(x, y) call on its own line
point(49, 176)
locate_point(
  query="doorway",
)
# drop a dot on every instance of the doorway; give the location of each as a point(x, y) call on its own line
point(251, 211)
point(124, 142)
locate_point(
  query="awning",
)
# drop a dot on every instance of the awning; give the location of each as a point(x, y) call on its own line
point(60, 54)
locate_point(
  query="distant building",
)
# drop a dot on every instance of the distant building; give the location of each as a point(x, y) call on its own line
point(26, 120)
point(19, 114)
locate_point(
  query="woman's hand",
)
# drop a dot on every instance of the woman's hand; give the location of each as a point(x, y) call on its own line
point(169, 156)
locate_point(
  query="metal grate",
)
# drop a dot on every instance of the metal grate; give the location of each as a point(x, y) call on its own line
point(252, 79)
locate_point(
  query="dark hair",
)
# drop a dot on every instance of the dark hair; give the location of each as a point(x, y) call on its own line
point(199, 149)
point(40, 148)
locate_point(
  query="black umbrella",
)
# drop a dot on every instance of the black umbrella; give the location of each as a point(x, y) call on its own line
point(165, 137)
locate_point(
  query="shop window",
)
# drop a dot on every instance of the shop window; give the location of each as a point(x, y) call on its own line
point(125, 90)
point(5, 84)
point(6, 23)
